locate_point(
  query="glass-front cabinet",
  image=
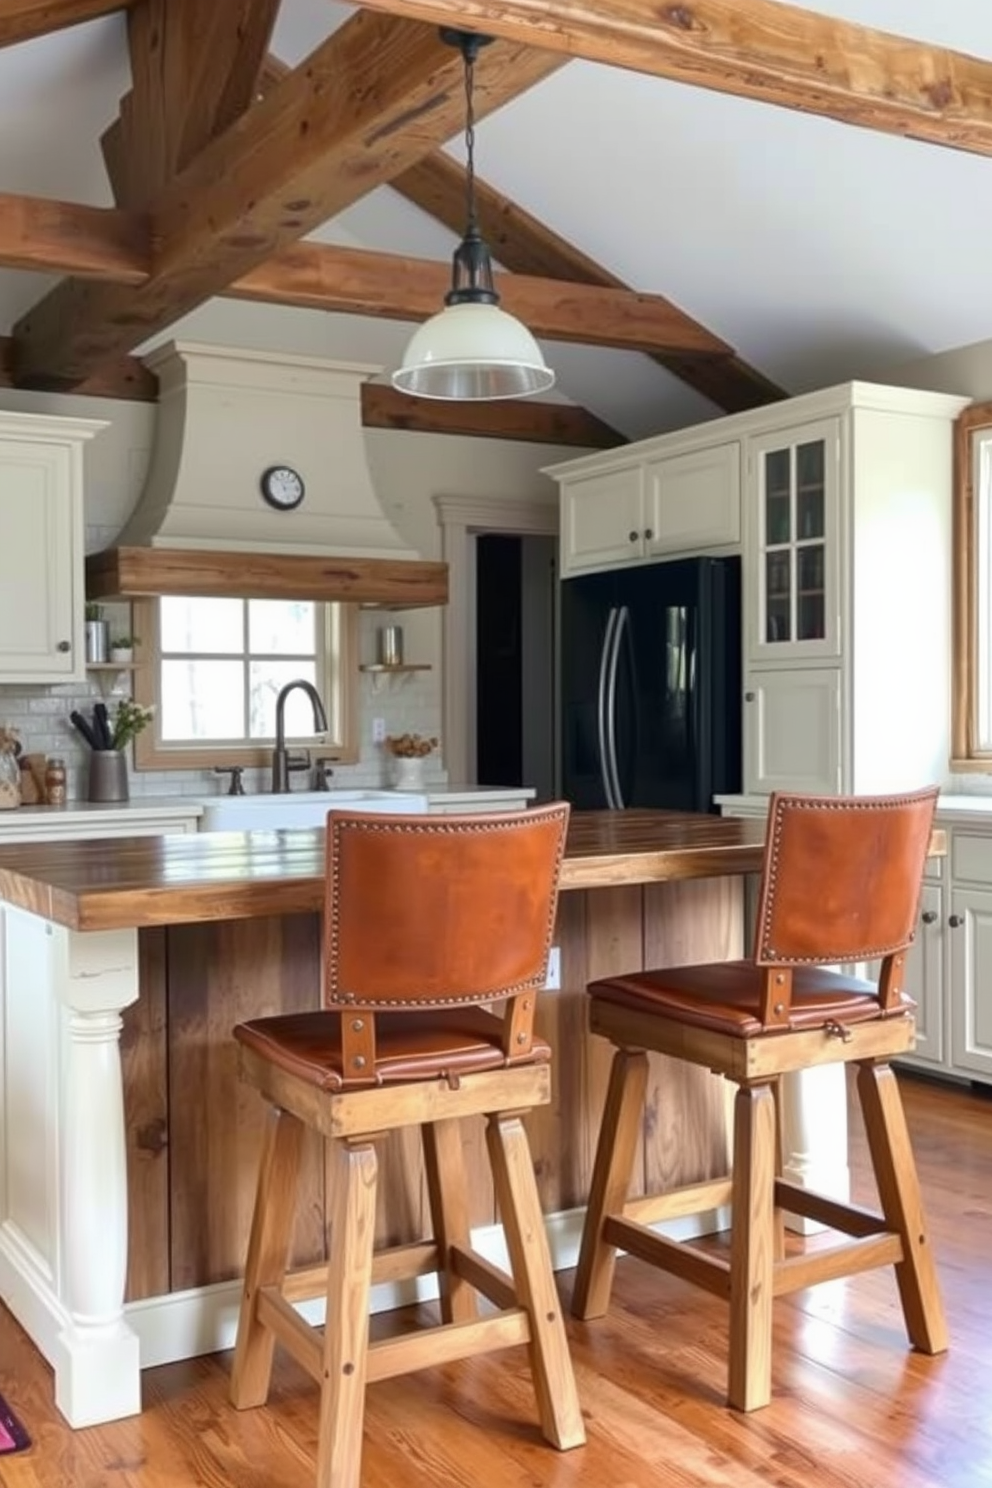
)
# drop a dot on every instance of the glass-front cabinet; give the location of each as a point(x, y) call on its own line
point(794, 500)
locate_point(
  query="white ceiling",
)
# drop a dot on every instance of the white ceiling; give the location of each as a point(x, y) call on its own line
point(819, 251)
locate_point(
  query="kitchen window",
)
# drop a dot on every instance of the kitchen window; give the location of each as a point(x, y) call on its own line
point(213, 668)
point(972, 659)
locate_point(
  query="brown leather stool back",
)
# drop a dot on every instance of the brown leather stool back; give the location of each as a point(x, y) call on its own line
point(432, 913)
point(841, 883)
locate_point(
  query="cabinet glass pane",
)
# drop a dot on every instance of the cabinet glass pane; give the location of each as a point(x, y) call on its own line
point(778, 596)
point(810, 609)
point(810, 477)
point(778, 491)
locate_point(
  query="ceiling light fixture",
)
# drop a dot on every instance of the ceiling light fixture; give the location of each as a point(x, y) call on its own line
point(472, 350)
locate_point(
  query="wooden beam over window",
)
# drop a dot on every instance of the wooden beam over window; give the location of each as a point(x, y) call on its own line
point(377, 95)
point(523, 244)
point(774, 53)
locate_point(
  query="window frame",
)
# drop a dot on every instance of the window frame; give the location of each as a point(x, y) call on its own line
point(976, 420)
point(150, 753)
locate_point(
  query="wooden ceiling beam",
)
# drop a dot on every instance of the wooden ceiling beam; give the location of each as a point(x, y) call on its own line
point(124, 377)
point(377, 95)
point(525, 419)
point(525, 245)
point(321, 276)
point(195, 71)
point(112, 245)
point(22, 20)
point(767, 51)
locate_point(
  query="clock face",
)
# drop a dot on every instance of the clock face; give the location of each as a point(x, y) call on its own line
point(282, 487)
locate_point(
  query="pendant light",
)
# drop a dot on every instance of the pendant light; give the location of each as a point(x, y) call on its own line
point(472, 350)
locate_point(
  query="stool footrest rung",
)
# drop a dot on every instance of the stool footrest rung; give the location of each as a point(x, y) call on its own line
point(850, 1219)
point(398, 1263)
point(694, 1198)
point(296, 1336)
point(446, 1343)
point(490, 1280)
point(800, 1271)
point(676, 1256)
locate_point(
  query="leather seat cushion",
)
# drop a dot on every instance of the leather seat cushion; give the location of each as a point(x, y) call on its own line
point(726, 997)
point(409, 1046)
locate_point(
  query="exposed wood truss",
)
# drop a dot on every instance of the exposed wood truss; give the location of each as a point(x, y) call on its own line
point(21, 20)
point(523, 244)
point(377, 95)
point(541, 423)
point(774, 53)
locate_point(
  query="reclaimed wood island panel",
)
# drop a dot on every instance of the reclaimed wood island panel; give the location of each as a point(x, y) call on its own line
point(126, 964)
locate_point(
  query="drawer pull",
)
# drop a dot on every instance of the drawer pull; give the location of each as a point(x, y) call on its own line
point(956, 921)
point(633, 536)
point(928, 916)
point(648, 534)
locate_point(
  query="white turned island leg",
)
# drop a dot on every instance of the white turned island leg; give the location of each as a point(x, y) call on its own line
point(63, 1225)
point(98, 1377)
point(814, 1136)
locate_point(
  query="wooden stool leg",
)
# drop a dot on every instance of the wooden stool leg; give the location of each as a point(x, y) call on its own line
point(268, 1254)
point(902, 1205)
point(346, 1329)
point(779, 1214)
point(618, 1136)
point(752, 1248)
point(530, 1261)
point(444, 1165)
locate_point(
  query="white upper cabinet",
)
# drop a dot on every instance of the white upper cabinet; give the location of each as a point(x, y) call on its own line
point(41, 556)
point(650, 507)
point(794, 593)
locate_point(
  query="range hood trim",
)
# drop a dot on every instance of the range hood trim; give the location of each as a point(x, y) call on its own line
point(141, 573)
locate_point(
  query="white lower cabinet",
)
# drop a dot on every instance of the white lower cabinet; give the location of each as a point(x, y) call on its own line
point(925, 979)
point(792, 731)
point(970, 981)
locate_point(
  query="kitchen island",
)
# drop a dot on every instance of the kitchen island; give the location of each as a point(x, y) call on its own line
point(129, 1149)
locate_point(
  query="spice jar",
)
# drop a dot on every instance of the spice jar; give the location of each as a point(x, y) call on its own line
point(55, 783)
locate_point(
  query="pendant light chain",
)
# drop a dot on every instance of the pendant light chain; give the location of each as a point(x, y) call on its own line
point(470, 212)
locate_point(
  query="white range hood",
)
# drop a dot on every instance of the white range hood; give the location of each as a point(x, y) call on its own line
point(224, 417)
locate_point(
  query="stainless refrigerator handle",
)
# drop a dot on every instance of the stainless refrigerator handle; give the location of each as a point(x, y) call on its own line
point(623, 620)
point(604, 666)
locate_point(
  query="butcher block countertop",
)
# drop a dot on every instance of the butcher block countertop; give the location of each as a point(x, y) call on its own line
point(137, 881)
point(127, 882)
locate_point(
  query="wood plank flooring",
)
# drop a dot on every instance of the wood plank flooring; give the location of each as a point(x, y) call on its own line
point(852, 1406)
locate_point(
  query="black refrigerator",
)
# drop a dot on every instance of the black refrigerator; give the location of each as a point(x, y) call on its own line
point(651, 685)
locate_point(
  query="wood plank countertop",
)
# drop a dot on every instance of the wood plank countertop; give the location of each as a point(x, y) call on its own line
point(120, 883)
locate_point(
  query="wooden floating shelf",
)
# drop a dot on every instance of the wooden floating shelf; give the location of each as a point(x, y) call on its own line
point(398, 666)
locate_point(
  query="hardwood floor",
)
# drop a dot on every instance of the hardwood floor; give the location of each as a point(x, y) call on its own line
point(852, 1406)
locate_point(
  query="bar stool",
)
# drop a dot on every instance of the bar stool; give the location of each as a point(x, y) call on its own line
point(840, 885)
point(425, 919)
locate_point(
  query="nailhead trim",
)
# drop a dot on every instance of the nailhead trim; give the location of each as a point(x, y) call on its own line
point(334, 997)
point(845, 804)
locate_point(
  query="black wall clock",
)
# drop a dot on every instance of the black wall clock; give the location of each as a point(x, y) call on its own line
point(282, 487)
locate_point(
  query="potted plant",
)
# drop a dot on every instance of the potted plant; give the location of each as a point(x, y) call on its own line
point(122, 649)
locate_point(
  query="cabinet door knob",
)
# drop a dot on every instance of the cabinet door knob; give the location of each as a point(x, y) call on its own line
point(749, 697)
point(633, 536)
point(928, 916)
point(64, 646)
point(955, 921)
point(648, 534)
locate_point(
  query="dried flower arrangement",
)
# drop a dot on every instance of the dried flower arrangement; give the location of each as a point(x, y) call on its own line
point(410, 746)
point(10, 773)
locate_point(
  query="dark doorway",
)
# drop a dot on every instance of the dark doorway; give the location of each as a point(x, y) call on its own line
point(515, 649)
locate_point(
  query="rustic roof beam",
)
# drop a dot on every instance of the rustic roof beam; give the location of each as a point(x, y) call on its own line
point(774, 53)
point(23, 20)
point(526, 245)
point(322, 276)
point(373, 98)
point(525, 419)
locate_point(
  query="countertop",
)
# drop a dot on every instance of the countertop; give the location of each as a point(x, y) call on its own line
point(127, 882)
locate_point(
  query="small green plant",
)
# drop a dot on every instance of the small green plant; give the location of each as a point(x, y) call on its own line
point(94, 611)
point(129, 720)
point(123, 643)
